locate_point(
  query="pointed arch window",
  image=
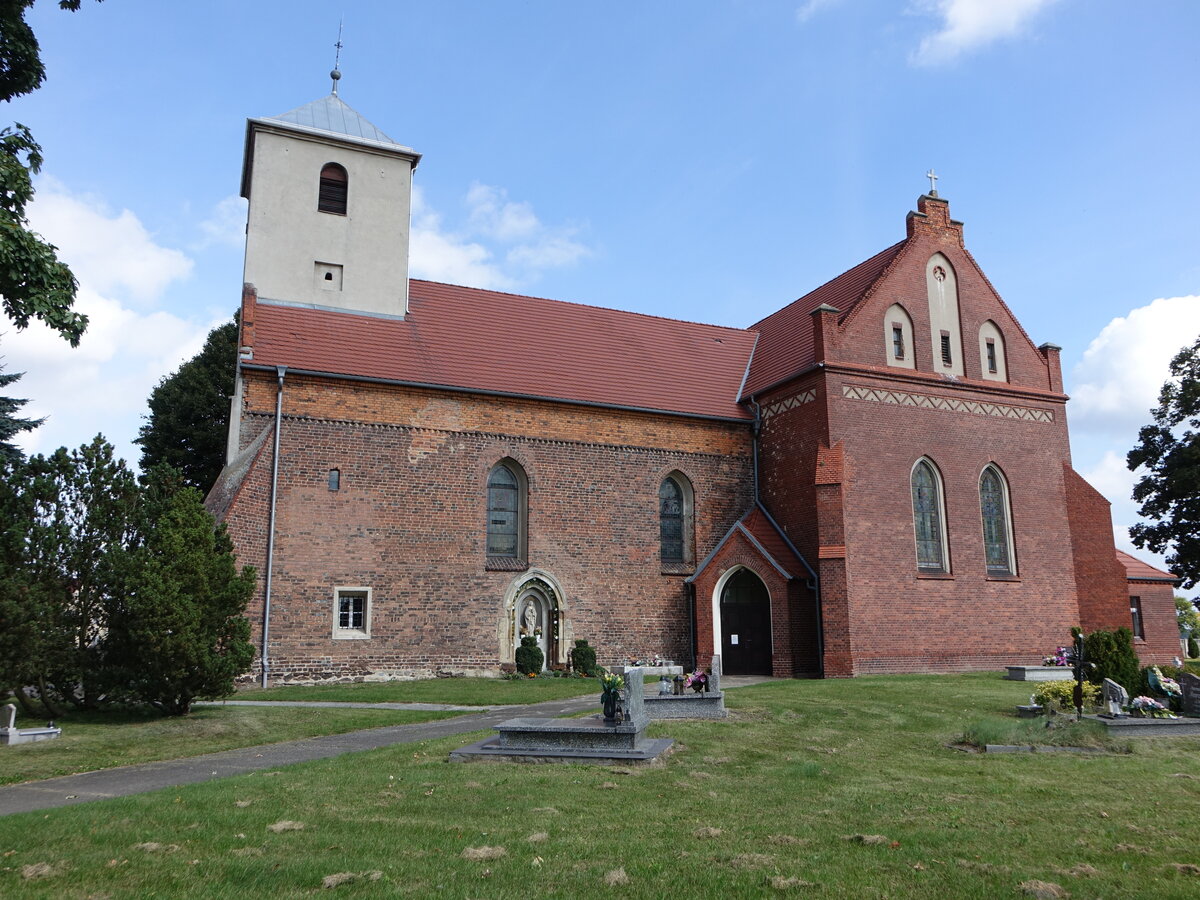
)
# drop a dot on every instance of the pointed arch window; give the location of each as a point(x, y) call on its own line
point(997, 523)
point(506, 511)
point(333, 190)
point(675, 522)
point(929, 519)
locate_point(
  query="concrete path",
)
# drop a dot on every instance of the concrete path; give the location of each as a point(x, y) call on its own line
point(69, 790)
point(107, 783)
point(338, 704)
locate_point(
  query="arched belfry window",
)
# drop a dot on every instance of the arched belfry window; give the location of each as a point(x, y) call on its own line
point(506, 505)
point(929, 519)
point(997, 523)
point(675, 520)
point(333, 190)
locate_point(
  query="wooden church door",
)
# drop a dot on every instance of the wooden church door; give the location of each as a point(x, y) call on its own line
point(745, 625)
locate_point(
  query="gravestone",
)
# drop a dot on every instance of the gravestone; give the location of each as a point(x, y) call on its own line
point(10, 735)
point(633, 699)
point(714, 681)
point(1115, 697)
point(1191, 693)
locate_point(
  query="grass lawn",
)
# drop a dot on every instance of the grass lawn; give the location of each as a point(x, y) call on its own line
point(101, 740)
point(459, 691)
point(840, 789)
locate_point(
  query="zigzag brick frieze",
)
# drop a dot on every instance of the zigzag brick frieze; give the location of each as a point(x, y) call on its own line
point(950, 404)
point(789, 403)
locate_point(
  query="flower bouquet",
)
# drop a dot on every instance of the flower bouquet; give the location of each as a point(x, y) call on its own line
point(1149, 708)
point(1058, 658)
point(697, 681)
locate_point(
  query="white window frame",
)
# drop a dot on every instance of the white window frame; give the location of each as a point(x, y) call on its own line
point(352, 634)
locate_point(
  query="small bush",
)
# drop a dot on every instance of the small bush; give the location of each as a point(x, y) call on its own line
point(583, 658)
point(1193, 648)
point(529, 657)
point(1111, 655)
point(1061, 694)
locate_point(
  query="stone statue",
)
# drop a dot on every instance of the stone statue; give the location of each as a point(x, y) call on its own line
point(530, 618)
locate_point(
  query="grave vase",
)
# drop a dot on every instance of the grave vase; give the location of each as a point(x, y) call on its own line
point(608, 702)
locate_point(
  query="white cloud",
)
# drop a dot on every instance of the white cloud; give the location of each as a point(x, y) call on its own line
point(226, 226)
point(812, 7)
point(967, 24)
point(101, 386)
point(112, 254)
point(1117, 381)
point(502, 244)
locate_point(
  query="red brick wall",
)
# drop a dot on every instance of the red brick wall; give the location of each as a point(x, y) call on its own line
point(1161, 644)
point(1099, 576)
point(409, 521)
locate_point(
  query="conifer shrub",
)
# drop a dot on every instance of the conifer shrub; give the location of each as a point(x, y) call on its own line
point(583, 658)
point(1193, 648)
point(1111, 655)
point(529, 657)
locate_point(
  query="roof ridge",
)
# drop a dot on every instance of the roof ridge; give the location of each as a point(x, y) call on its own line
point(612, 309)
point(858, 265)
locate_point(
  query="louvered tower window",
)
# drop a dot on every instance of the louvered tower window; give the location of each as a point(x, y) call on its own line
point(331, 196)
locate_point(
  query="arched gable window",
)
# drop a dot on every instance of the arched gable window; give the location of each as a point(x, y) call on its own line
point(929, 519)
point(333, 189)
point(898, 337)
point(997, 523)
point(945, 335)
point(992, 363)
point(506, 505)
point(675, 520)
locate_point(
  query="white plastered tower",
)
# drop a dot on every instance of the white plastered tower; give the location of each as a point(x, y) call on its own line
point(303, 255)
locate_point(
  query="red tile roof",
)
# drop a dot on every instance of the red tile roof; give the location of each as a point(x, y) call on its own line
point(1136, 570)
point(493, 342)
point(785, 344)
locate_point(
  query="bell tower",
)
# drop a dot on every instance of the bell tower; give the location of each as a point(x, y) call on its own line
point(330, 205)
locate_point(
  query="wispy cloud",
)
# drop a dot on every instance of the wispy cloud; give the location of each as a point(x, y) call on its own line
point(226, 225)
point(811, 7)
point(130, 343)
point(502, 244)
point(969, 24)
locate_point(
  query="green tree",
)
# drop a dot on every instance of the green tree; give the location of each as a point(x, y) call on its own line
point(10, 425)
point(34, 283)
point(1111, 655)
point(1168, 452)
point(179, 631)
point(1188, 616)
point(189, 412)
point(67, 517)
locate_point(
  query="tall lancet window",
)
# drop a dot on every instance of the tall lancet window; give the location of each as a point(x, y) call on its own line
point(333, 190)
point(997, 530)
point(670, 521)
point(929, 519)
point(506, 510)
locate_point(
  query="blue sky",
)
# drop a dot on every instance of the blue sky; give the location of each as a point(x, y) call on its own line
point(708, 161)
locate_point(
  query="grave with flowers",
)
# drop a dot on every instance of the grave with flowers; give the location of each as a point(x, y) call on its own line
point(698, 696)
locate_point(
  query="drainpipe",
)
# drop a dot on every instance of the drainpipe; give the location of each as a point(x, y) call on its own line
point(691, 602)
point(266, 625)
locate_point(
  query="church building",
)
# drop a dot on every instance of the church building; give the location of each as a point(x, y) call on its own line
point(875, 478)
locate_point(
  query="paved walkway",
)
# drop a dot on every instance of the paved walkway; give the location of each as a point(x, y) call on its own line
point(105, 784)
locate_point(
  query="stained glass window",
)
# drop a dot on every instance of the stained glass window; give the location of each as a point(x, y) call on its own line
point(927, 519)
point(670, 520)
point(503, 515)
point(993, 503)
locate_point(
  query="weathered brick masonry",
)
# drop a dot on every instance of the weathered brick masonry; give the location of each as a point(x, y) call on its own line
point(408, 521)
point(783, 453)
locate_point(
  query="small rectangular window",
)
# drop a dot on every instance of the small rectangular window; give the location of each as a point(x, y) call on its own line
point(1135, 612)
point(947, 359)
point(991, 355)
point(335, 479)
point(897, 340)
point(352, 613)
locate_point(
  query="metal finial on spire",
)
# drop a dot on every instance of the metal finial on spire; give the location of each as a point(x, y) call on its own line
point(336, 75)
point(932, 183)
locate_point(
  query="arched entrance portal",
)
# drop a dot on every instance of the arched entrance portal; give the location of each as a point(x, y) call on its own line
point(745, 625)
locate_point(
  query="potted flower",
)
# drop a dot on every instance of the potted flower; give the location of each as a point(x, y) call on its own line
point(697, 681)
point(1149, 708)
point(610, 694)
